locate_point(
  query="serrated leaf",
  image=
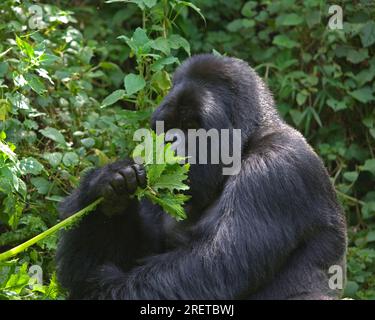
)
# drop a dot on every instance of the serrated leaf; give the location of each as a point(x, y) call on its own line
point(164, 178)
point(173, 181)
point(172, 204)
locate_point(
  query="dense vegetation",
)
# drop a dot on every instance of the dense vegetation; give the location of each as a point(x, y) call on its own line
point(77, 77)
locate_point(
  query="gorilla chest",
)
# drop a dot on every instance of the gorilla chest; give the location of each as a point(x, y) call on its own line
point(175, 233)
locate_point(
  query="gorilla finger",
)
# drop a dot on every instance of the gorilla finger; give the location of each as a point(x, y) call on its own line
point(118, 183)
point(141, 175)
point(130, 177)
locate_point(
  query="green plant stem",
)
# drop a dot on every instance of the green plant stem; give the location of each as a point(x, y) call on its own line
point(62, 224)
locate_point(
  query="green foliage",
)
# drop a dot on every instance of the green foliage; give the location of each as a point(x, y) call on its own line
point(73, 92)
point(21, 284)
point(165, 177)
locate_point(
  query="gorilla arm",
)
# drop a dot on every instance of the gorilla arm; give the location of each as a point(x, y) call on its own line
point(240, 243)
point(112, 233)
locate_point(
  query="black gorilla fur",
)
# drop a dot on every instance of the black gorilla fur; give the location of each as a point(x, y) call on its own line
point(269, 232)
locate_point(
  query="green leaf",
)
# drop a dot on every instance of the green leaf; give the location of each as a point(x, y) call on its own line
point(31, 166)
point(247, 9)
point(25, 47)
point(4, 148)
point(134, 83)
point(351, 288)
point(296, 115)
point(369, 166)
point(156, 168)
point(35, 83)
point(371, 236)
point(172, 204)
point(313, 18)
point(367, 34)
point(18, 280)
point(161, 80)
point(159, 64)
point(41, 184)
point(173, 181)
point(164, 179)
point(285, 42)
point(291, 19)
point(368, 210)
point(235, 25)
point(176, 42)
point(161, 44)
point(336, 105)
point(88, 142)
point(192, 6)
point(351, 176)
point(113, 98)
point(140, 37)
point(53, 134)
point(301, 98)
point(363, 95)
point(150, 3)
point(70, 159)
point(356, 56)
point(53, 158)
point(3, 68)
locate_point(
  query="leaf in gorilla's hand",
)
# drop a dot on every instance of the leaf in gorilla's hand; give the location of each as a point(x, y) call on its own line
point(173, 180)
point(165, 179)
point(171, 203)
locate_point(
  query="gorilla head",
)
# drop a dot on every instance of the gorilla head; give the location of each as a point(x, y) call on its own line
point(213, 92)
point(216, 92)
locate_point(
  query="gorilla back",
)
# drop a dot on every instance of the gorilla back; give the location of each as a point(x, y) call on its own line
point(272, 231)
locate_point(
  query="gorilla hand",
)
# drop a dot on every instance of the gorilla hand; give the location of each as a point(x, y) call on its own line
point(118, 184)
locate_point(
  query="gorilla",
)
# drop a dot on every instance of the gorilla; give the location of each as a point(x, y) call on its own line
point(271, 231)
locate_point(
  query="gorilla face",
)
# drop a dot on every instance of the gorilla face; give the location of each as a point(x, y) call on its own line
point(195, 103)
